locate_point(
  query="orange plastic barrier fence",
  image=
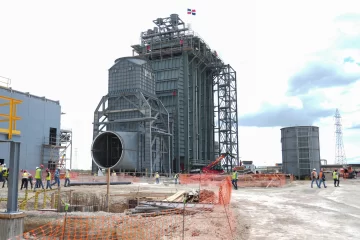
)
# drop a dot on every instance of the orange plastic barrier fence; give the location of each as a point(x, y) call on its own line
point(225, 191)
point(174, 224)
point(153, 226)
point(248, 180)
point(262, 180)
point(203, 179)
point(171, 224)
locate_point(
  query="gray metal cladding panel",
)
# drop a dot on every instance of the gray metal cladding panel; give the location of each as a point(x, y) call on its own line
point(169, 63)
point(127, 75)
point(38, 116)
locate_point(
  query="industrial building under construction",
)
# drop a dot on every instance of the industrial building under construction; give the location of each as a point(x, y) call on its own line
point(170, 107)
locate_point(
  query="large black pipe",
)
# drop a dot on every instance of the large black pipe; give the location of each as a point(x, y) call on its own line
point(98, 183)
point(115, 150)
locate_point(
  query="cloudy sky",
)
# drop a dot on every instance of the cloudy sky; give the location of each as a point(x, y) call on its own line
point(296, 61)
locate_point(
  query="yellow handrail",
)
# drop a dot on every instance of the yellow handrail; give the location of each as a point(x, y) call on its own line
point(11, 118)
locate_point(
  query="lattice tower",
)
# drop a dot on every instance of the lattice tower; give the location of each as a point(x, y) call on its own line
point(340, 157)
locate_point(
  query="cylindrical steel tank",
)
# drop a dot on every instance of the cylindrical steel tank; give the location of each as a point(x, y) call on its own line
point(115, 150)
point(300, 150)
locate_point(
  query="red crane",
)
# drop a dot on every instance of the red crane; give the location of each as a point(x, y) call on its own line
point(210, 168)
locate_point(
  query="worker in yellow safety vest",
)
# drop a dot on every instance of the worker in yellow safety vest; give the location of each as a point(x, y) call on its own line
point(24, 180)
point(157, 178)
point(336, 177)
point(67, 178)
point(48, 179)
point(38, 177)
point(5, 172)
point(234, 179)
point(1, 168)
point(176, 177)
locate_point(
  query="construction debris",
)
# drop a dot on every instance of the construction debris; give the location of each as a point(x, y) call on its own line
point(180, 196)
point(207, 196)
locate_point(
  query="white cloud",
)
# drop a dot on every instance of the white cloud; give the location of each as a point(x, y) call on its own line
point(63, 50)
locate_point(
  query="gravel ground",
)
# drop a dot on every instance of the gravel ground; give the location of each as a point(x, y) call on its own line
point(300, 212)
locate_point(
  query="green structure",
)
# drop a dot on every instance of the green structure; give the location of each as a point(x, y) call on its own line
point(184, 121)
point(197, 88)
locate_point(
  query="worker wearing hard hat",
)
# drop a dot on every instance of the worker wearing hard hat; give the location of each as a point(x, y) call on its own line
point(48, 179)
point(314, 178)
point(30, 180)
point(56, 178)
point(5, 174)
point(1, 168)
point(234, 178)
point(67, 178)
point(336, 177)
point(322, 178)
point(157, 178)
point(38, 177)
point(24, 180)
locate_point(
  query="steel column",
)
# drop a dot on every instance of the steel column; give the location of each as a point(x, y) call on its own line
point(13, 179)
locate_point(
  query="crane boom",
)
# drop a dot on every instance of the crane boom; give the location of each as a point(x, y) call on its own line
point(217, 161)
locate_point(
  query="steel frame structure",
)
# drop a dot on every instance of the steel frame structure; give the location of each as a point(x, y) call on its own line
point(57, 154)
point(154, 124)
point(207, 91)
point(340, 157)
point(227, 118)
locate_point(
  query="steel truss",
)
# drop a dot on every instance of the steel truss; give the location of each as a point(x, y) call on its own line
point(226, 118)
point(153, 124)
point(56, 156)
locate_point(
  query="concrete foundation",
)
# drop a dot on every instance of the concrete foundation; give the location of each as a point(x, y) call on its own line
point(11, 225)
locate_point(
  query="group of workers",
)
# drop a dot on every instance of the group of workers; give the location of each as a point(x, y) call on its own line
point(27, 177)
point(320, 178)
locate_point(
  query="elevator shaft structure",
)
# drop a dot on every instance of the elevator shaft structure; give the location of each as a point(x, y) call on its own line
point(198, 90)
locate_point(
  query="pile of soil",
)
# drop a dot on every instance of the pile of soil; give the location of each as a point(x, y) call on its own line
point(207, 196)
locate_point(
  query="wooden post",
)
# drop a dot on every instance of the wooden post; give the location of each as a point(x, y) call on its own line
point(108, 190)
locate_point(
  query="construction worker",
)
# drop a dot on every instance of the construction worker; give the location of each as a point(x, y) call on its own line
point(67, 178)
point(176, 177)
point(234, 179)
point(336, 177)
point(38, 177)
point(314, 178)
point(56, 178)
point(48, 179)
point(30, 179)
point(24, 180)
point(5, 173)
point(157, 178)
point(1, 168)
point(322, 178)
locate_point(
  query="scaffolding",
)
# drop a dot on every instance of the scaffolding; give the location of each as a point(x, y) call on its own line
point(197, 88)
point(57, 150)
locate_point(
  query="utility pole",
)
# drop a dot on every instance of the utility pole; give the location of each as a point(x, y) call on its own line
point(340, 157)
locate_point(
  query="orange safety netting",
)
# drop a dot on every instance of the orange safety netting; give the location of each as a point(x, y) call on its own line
point(151, 226)
point(247, 180)
point(262, 180)
point(168, 224)
point(172, 224)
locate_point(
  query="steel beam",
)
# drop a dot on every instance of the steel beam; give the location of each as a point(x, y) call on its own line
point(13, 179)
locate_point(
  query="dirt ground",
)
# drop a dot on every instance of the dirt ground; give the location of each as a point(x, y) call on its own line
point(299, 212)
point(295, 211)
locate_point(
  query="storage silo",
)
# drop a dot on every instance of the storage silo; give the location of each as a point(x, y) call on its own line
point(300, 150)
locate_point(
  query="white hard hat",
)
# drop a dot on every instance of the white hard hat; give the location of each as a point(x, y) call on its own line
point(36, 167)
point(4, 165)
point(314, 169)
